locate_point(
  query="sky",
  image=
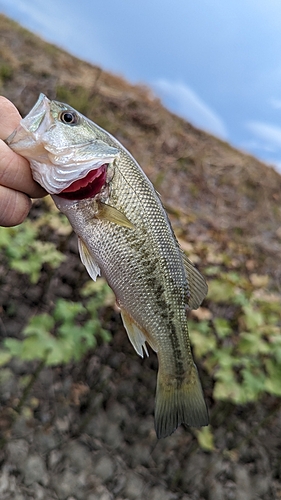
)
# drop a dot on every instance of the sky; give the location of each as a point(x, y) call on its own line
point(216, 63)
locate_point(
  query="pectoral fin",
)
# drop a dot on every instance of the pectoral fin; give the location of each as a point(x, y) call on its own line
point(197, 285)
point(88, 261)
point(107, 212)
point(136, 335)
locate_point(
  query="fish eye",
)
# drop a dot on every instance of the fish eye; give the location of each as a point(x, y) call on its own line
point(68, 117)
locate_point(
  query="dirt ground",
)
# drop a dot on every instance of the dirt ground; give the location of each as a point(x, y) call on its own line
point(85, 430)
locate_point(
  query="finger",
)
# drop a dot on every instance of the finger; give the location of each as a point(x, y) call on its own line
point(9, 117)
point(15, 170)
point(14, 207)
point(15, 173)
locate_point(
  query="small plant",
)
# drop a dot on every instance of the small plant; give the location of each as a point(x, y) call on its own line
point(243, 351)
point(25, 250)
point(65, 334)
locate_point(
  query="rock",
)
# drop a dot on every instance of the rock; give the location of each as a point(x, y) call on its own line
point(135, 488)
point(215, 491)
point(101, 493)
point(125, 390)
point(62, 424)
point(46, 378)
point(8, 385)
point(17, 452)
point(104, 467)
point(98, 425)
point(113, 436)
point(191, 475)
point(9, 489)
point(213, 487)
point(21, 429)
point(69, 484)
point(44, 442)
point(54, 458)
point(34, 471)
point(117, 413)
point(146, 427)
point(4, 481)
point(39, 492)
point(140, 454)
point(243, 483)
point(261, 485)
point(159, 493)
point(78, 457)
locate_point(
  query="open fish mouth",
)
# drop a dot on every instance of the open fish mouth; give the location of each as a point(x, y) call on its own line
point(88, 186)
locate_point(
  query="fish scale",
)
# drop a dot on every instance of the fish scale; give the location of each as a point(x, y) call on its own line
point(125, 235)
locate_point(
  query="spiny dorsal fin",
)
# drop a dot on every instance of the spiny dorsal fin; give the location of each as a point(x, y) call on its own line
point(136, 335)
point(107, 212)
point(88, 261)
point(196, 282)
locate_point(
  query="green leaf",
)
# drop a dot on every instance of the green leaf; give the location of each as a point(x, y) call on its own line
point(39, 325)
point(13, 346)
point(203, 344)
point(272, 383)
point(205, 438)
point(250, 343)
point(222, 327)
point(67, 311)
point(253, 318)
point(221, 291)
point(229, 390)
point(253, 384)
point(5, 357)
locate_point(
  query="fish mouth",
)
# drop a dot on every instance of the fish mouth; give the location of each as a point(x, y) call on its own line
point(88, 186)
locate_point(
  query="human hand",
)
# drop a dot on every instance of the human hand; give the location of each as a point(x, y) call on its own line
point(16, 183)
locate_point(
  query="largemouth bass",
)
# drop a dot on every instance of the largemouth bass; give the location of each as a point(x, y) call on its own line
point(125, 235)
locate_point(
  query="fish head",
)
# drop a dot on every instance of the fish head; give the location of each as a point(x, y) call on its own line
point(67, 152)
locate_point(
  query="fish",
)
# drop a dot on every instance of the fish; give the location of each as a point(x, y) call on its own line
point(124, 234)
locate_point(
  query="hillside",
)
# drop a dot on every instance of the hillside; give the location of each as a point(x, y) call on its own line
point(89, 424)
point(229, 194)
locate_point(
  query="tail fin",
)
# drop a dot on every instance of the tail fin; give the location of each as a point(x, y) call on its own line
point(179, 402)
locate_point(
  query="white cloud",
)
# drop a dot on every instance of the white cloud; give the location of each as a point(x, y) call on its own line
point(257, 145)
point(270, 134)
point(180, 99)
point(265, 142)
point(275, 103)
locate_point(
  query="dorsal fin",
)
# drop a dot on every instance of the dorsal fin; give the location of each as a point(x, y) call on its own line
point(197, 284)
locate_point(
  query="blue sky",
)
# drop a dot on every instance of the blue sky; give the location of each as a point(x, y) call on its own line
point(217, 64)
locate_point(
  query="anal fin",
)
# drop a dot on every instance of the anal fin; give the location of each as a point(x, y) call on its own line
point(136, 336)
